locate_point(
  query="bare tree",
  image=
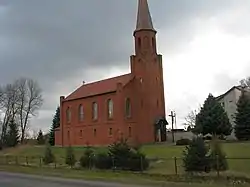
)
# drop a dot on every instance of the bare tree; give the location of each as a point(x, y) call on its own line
point(30, 101)
point(8, 105)
point(245, 82)
point(190, 119)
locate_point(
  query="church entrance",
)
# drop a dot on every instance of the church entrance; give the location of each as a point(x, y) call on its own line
point(161, 130)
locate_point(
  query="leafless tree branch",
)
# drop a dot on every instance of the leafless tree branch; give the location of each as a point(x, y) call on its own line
point(31, 100)
point(245, 82)
point(19, 101)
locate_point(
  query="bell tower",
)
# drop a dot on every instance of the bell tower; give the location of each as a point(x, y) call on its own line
point(144, 34)
point(146, 67)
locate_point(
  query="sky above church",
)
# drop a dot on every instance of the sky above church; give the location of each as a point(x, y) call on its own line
point(60, 43)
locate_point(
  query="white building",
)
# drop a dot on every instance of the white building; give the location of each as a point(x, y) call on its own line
point(229, 102)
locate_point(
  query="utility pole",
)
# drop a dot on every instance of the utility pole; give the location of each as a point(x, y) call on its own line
point(173, 116)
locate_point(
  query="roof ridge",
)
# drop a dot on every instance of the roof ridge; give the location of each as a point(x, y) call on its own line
point(106, 79)
point(99, 87)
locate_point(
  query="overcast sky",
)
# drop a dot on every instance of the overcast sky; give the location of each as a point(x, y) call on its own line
point(205, 46)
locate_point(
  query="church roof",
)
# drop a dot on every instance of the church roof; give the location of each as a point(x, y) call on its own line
point(144, 20)
point(99, 87)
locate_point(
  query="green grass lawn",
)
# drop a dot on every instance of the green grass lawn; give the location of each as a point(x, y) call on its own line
point(165, 153)
point(122, 177)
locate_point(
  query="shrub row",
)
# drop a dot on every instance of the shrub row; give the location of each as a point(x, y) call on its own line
point(120, 156)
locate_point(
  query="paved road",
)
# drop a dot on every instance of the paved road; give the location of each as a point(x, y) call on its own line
point(22, 180)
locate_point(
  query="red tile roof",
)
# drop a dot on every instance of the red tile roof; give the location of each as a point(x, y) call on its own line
point(99, 87)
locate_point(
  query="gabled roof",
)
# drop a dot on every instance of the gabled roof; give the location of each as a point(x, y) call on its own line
point(99, 87)
point(234, 87)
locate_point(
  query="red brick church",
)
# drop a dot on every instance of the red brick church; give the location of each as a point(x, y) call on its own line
point(126, 106)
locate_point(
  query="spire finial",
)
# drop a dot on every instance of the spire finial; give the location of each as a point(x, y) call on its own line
point(144, 20)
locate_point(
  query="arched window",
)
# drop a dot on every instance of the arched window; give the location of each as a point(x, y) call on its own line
point(153, 42)
point(94, 132)
point(94, 111)
point(80, 113)
point(80, 133)
point(68, 135)
point(128, 107)
point(110, 131)
point(68, 115)
point(110, 108)
point(129, 132)
point(146, 42)
point(139, 43)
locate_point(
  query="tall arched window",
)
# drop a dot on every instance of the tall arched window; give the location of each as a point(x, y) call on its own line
point(110, 108)
point(128, 107)
point(80, 113)
point(139, 43)
point(153, 42)
point(68, 115)
point(94, 111)
point(129, 132)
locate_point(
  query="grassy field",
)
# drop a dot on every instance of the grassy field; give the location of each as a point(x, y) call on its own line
point(238, 156)
point(123, 177)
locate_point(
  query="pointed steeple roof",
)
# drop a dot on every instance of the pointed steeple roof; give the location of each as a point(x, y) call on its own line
point(144, 20)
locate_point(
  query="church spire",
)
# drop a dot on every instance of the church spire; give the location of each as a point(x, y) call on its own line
point(144, 20)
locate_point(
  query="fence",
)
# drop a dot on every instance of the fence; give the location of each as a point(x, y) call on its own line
point(156, 165)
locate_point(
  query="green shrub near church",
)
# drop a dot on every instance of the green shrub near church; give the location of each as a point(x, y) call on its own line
point(70, 157)
point(103, 161)
point(86, 160)
point(196, 156)
point(120, 156)
point(48, 155)
point(126, 157)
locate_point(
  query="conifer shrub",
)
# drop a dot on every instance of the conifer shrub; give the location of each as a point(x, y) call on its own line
point(86, 160)
point(126, 157)
point(138, 161)
point(196, 156)
point(48, 156)
point(70, 157)
point(103, 161)
point(242, 118)
point(183, 141)
point(218, 157)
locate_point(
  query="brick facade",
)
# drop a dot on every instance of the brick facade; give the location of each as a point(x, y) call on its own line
point(125, 106)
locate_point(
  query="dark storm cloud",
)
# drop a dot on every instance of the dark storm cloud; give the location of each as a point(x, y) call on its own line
point(55, 41)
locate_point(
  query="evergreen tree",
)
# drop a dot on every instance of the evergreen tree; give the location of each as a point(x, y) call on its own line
point(13, 134)
point(70, 157)
point(196, 157)
point(242, 118)
point(48, 155)
point(40, 138)
point(55, 124)
point(218, 157)
point(212, 119)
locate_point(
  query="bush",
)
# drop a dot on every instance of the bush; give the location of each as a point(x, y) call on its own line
point(103, 161)
point(207, 137)
point(138, 162)
point(87, 158)
point(40, 138)
point(183, 141)
point(218, 157)
point(126, 157)
point(196, 158)
point(70, 157)
point(48, 156)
